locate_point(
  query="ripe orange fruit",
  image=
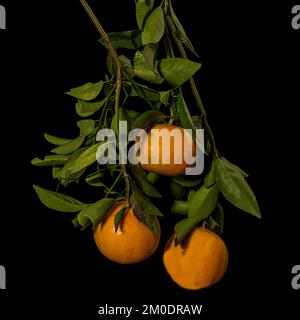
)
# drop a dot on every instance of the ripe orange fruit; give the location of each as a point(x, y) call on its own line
point(133, 242)
point(199, 261)
point(171, 168)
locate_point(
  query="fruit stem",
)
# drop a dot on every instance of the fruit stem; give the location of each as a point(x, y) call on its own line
point(194, 89)
point(115, 57)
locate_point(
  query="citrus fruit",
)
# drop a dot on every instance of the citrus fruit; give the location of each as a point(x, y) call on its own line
point(175, 148)
point(133, 241)
point(199, 261)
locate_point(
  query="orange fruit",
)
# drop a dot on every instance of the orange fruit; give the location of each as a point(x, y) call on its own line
point(199, 261)
point(133, 241)
point(173, 148)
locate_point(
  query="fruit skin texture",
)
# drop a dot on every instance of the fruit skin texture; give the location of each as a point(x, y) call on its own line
point(171, 169)
point(199, 261)
point(133, 242)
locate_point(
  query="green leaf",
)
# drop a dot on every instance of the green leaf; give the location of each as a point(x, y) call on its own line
point(235, 189)
point(154, 27)
point(118, 217)
point(69, 147)
point(210, 178)
point(184, 113)
point(142, 9)
point(142, 70)
point(86, 109)
point(145, 211)
point(66, 172)
point(177, 190)
point(181, 34)
point(177, 71)
point(149, 53)
point(87, 92)
point(86, 127)
point(50, 161)
point(146, 119)
point(164, 97)
point(127, 66)
point(95, 212)
point(56, 140)
point(186, 181)
point(85, 159)
point(203, 203)
point(124, 39)
point(140, 177)
point(55, 172)
point(95, 179)
point(191, 194)
point(183, 228)
point(216, 220)
point(145, 203)
point(58, 201)
point(242, 172)
point(152, 97)
point(180, 207)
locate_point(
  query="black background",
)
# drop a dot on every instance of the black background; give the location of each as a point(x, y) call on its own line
point(249, 83)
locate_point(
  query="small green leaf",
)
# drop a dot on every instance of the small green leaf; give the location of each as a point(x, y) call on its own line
point(201, 206)
point(177, 190)
point(56, 140)
point(242, 172)
point(152, 97)
point(55, 172)
point(85, 159)
point(142, 70)
point(119, 216)
point(164, 97)
point(142, 9)
point(69, 147)
point(177, 71)
point(87, 92)
point(183, 228)
point(140, 177)
point(86, 109)
point(65, 172)
point(186, 181)
point(95, 212)
point(203, 203)
point(180, 207)
point(235, 189)
point(210, 178)
point(58, 201)
point(154, 27)
point(95, 179)
point(181, 34)
point(50, 161)
point(146, 119)
point(86, 127)
point(127, 66)
point(124, 39)
point(145, 211)
point(149, 53)
point(145, 203)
